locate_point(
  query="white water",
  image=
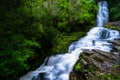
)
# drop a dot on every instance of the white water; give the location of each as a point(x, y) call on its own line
point(103, 14)
point(58, 67)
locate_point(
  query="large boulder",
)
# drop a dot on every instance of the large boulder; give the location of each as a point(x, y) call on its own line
point(96, 63)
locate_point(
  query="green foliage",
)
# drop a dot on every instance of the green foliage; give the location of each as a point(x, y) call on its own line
point(116, 66)
point(109, 76)
point(67, 15)
point(62, 41)
point(112, 27)
point(78, 67)
point(14, 56)
point(114, 10)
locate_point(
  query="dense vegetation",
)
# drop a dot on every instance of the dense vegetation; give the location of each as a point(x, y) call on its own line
point(114, 10)
point(33, 29)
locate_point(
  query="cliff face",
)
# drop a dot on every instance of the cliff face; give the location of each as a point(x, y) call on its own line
point(98, 65)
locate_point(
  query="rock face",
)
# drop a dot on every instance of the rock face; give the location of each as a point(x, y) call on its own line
point(95, 63)
point(115, 23)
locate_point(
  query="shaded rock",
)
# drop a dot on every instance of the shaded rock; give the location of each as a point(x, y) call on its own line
point(115, 23)
point(96, 63)
point(75, 76)
point(115, 71)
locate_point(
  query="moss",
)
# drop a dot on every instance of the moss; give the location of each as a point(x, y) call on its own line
point(78, 67)
point(116, 66)
point(112, 27)
point(109, 76)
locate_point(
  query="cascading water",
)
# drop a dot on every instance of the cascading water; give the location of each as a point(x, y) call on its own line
point(103, 14)
point(58, 67)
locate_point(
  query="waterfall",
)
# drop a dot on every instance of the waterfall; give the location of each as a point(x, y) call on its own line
point(58, 67)
point(103, 14)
